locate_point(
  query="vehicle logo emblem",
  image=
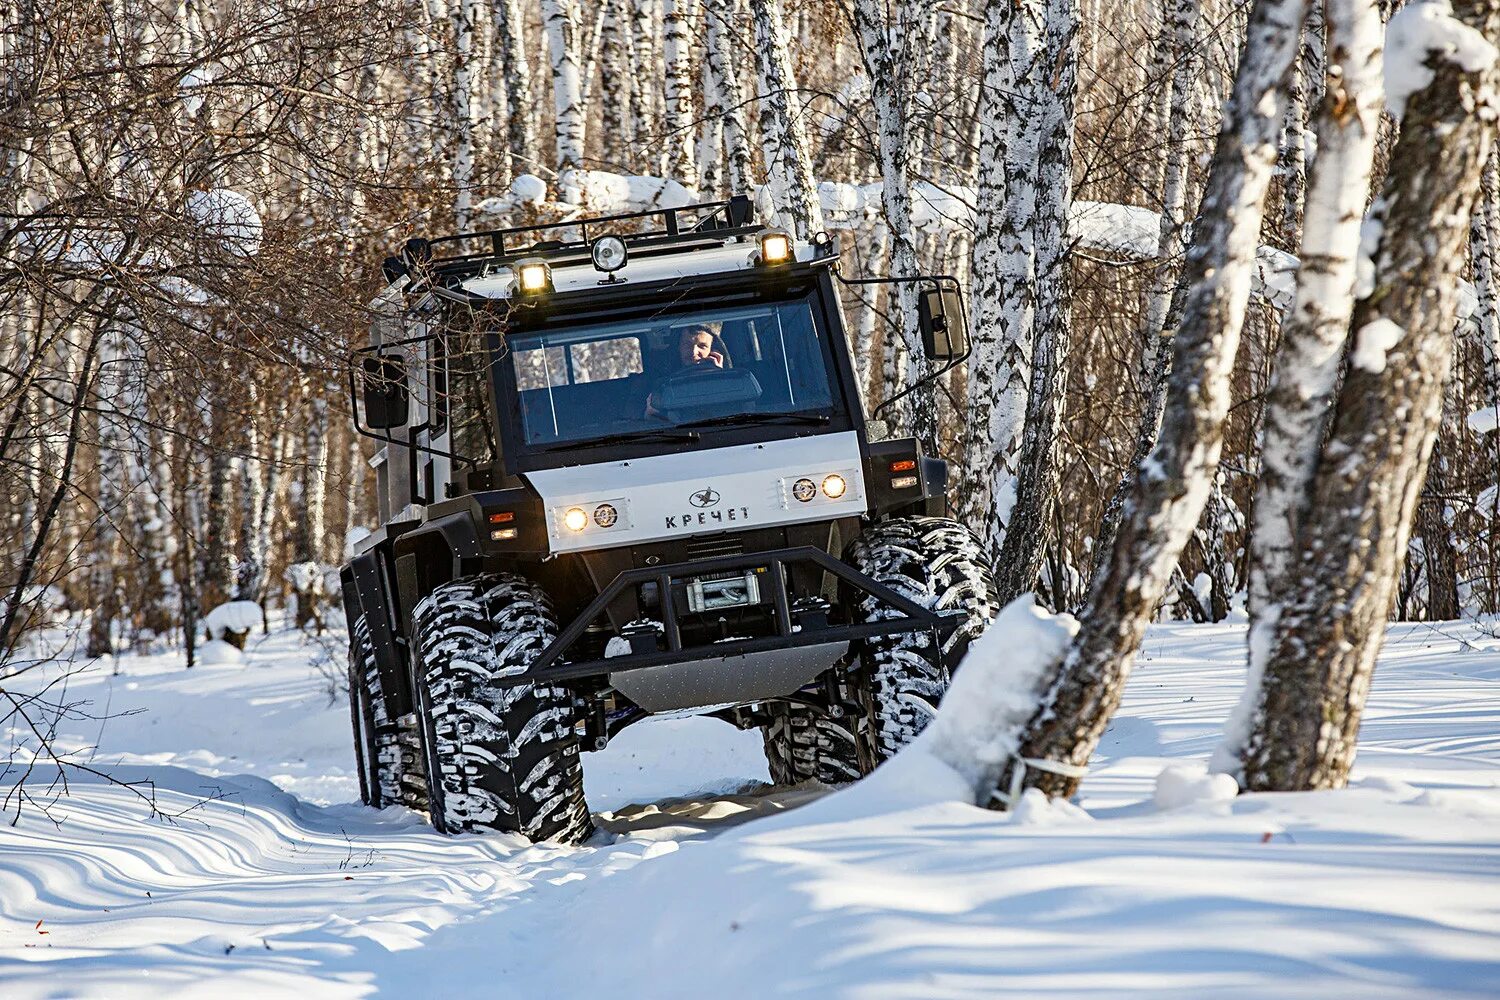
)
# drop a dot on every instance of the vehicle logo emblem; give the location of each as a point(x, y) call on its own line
point(704, 498)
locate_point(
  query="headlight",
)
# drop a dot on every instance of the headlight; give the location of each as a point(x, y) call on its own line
point(834, 486)
point(804, 490)
point(609, 253)
point(605, 515)
point(576, 519)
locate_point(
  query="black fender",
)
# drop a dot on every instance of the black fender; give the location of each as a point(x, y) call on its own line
point(433, 553)
point(367, 590)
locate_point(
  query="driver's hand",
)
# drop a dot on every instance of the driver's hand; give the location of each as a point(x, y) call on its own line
point(715, 357)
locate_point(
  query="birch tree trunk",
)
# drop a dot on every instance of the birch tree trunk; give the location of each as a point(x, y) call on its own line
point(723, 101)
point(998, 363)
point(615, 83)
point(1315, 332)
point(677, 147)
point(1170, 489)
point(560, 21)
point(794, 196)
point(462, 128)
point(1053, 85)
point(883, 30)
point(1485, 243)
point(1362, 498)
point(510, 29)
point(646, 65)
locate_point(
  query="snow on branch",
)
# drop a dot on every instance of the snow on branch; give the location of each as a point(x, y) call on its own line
point(1418, 36)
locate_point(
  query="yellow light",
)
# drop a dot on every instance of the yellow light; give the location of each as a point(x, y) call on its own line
point(534, 278)
point(834, 486)
point(576, 519)
point(503, 535)
point(775, 248)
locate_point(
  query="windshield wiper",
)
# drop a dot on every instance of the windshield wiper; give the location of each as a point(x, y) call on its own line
point(759, 418)
point(664, 434)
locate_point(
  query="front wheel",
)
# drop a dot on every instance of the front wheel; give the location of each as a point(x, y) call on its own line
point(937, 563)
point(499, 757)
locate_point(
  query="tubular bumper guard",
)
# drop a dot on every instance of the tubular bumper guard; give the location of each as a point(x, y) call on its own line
point(551, 665)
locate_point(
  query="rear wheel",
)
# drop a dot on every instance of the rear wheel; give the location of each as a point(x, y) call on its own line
point(500, 757)
point(803, 743)
point(937, 563)
point(388, 751)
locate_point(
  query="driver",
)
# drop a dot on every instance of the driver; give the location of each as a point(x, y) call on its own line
point(698, 347)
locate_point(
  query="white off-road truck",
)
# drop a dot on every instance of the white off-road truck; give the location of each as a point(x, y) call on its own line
point(627, 472)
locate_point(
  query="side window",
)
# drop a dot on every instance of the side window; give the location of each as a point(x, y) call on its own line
point(540, 368)
point(605, 360)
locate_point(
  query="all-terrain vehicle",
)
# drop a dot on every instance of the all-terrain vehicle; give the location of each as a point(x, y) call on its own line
point(627, 472)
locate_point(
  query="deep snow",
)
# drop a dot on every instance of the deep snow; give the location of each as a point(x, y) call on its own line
point(274, 884)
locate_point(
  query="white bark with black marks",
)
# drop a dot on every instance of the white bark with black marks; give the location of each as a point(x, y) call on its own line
point(1173, 484)
point(677, 160)
point(510, 30)
point(1052, 83)
point(724, 101)
point(999, 365)
point(794, 195)
point(1362, 499)
point(560, 21)
point(1299, 402)
point(883, 28)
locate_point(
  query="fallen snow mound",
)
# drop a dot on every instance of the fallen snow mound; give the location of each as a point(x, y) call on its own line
point(268, 881)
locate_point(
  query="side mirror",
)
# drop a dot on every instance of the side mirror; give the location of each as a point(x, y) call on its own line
point(940, 316)
point(385, 396)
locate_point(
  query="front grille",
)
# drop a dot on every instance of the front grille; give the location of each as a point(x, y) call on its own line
point(713, 548)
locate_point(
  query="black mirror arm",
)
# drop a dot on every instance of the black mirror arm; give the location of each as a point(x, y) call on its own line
point(387, 438)
point(963, 314)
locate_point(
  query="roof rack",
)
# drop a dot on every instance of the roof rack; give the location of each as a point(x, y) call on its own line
point(689, 224)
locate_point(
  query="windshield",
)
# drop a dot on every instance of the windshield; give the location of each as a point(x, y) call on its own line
point(668, 377)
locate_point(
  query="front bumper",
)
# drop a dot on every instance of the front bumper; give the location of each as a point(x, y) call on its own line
point(906, 617)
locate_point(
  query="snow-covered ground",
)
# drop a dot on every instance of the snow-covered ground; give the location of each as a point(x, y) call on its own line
point(271, 882)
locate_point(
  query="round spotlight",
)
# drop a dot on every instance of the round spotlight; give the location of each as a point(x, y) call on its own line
point(576, 519)
point(834, 486)
point(804, 490)
point(609, 253)
point(605, 515)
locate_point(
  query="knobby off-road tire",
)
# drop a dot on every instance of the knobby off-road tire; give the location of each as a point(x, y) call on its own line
point(937, 563)
point(389, 752)
point(500, 758)
point(803, 743)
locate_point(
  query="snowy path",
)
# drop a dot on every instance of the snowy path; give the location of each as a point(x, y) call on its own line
point(278, 886)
